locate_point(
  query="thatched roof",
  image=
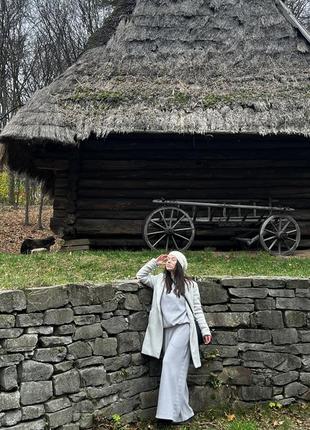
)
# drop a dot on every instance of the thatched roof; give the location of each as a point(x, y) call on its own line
point(186, 66)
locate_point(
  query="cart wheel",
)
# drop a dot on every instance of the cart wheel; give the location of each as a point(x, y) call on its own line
point(280, 235)
point(169, 228)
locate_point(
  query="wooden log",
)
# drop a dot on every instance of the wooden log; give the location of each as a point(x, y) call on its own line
point(50, 164)
point(109, 226)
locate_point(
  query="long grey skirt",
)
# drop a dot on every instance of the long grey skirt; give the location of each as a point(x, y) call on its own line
point(173, 394)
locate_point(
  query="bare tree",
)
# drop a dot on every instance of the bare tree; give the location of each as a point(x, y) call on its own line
point(301, 9)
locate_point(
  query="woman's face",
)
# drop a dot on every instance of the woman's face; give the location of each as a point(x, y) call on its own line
point(171, 262)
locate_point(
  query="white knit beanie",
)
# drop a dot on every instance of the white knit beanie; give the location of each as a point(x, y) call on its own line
point(181, 258)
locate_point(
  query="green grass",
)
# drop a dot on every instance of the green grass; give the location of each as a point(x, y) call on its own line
point(257, 417)
point(20, 271)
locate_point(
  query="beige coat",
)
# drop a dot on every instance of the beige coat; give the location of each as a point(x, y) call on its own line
point(153, 340)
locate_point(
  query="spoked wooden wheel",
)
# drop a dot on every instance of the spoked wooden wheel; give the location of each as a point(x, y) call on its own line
point(280, 235)
point(169, 228)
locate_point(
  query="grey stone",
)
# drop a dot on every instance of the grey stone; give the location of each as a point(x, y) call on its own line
point(55, 340)
point(137, 358)
point(269, 282)
point(252, 293)
point(295, 319)
point(265, 304)
point(285, 378)
point(115, 325)
point(290, 363)
point(268, 319)
point(99, 392)
point(58, 316)
point(91, 361)
point(128, 286)
point(8, 378)
point(297, 283)
point(80, 295)
point(30, 425)
point(274, 360)
point(145, 295)
point(10, 333)
point(126, 374)
point(39, 299)
point(241, 300)
point(46, 330)
point(84, 310)
point(109, 306)
point(63, 367)
point(254, 393)
point(284, 336)
point(59, 418)
point(304, 335)
point(305, 378)
point(298, 303)
point(295, 389)
point(302, 348)
point(239, 307)
point(303, 292)
point(80, 349)
point(70, 427)
point(32, 412)
point(7, 321)
point(57, 404)
point(84, 319)
point(254, 335)
point(84, 406)
point(51, 355)
point(129, 341)
point(215, 308)
point(115, 363)
point(106, 347)
point(12, 301)
point(213, 294)
point(86, 421)
point(10, 359)
point(138, 321)
point(306, 364)
point(29, 320)
point(11, 418)
point(132, 302)
point(102, 293)
point(236, 282)
point(9, 401)
point(149, 399)
point(93, 376)
point(30, 370)
point(35, 392)
point(136, 386)
point(231, 362)
point(26, 342)
point(228, 319)
point(88, 332)
point(236, 375)
point(64, 329)
point(277, 292)
point(66, 383)
point(225, 338)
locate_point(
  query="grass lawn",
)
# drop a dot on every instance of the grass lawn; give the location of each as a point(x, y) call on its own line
point(21, 271)
point(260, 417)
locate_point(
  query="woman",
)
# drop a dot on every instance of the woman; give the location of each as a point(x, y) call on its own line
point(172, 327)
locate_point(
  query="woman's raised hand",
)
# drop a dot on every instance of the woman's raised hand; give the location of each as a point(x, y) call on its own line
point(161, 260)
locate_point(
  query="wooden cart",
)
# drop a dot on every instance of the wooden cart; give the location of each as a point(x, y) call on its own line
point(174, 223)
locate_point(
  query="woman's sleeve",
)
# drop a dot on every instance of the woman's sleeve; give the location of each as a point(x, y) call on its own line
point(144, 274)
point(198, 312)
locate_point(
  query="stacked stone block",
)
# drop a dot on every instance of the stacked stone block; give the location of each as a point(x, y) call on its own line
point(69, 353)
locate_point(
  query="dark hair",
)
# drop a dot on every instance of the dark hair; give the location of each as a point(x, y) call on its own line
point(179, 279)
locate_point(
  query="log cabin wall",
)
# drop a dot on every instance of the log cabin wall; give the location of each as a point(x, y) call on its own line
point(113, 181)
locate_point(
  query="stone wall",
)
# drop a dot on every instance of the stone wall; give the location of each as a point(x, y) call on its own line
point(68, 353)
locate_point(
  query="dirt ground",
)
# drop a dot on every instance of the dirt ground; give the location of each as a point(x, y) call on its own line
point(13, 231)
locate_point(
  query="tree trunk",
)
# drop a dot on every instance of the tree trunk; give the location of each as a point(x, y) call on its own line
point(27, 192)
point(11, 196)
point(40, 226)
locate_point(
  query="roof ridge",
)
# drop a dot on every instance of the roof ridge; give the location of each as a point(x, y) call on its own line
point(291, 18)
